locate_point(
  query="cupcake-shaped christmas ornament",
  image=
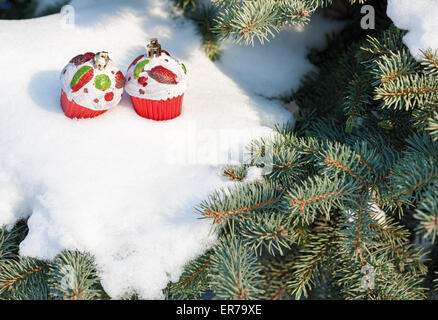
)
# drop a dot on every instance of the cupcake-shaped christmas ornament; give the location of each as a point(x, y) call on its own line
point(156, 83)
point(91, 85)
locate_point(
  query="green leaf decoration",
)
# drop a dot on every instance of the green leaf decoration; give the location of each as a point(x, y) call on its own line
point(184, 67)
point(102, 82)
point(139, 68)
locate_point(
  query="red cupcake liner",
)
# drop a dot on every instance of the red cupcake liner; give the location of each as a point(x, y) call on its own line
point(73, 110)
point(158, 109)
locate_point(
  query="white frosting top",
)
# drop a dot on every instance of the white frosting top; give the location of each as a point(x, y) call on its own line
point(88, 95)
point(161, 78)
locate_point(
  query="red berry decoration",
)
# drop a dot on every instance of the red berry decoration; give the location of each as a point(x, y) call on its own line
point(78, 60)
point(120, 80)
point(89, 56)
point(119, 76)
point(162, 75)
point(143, 81)
point(109, 96)
point(82, 58)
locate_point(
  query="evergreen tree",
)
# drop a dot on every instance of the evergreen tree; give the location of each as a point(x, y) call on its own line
point(350, 207)
point(25, 9)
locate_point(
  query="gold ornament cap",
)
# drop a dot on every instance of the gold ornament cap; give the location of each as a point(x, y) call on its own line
point(153, 48)
point(101, 60)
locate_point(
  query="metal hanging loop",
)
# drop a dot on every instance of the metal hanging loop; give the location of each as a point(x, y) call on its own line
point(101, 60)
point(153, 48)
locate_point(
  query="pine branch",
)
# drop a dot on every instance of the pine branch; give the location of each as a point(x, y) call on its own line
point(433, 126)
point(277, 273)
point(24, 279)
point(10, 240)
point(319, 195)
point(245, 199)
point(430, 62)
point(194, 280)
point(312, 257)
point(356, 102)
point(394, 66)
point(73, 276)
point(424, 116)
point(411, 176)
point(357, 231)
point(388, 42)
point(236, 273)
point(267, 231)
point(336, 159)
point(427, 213)
point(236, 172)
point(407, 91)
point(245, 21)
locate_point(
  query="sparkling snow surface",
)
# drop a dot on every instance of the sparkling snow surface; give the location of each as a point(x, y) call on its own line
point(419, 17)
point(120, 186)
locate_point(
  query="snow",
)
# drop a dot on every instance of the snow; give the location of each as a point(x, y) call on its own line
point(120, 186)
point(254, 174)
point(276, 67)
point(419, 17)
